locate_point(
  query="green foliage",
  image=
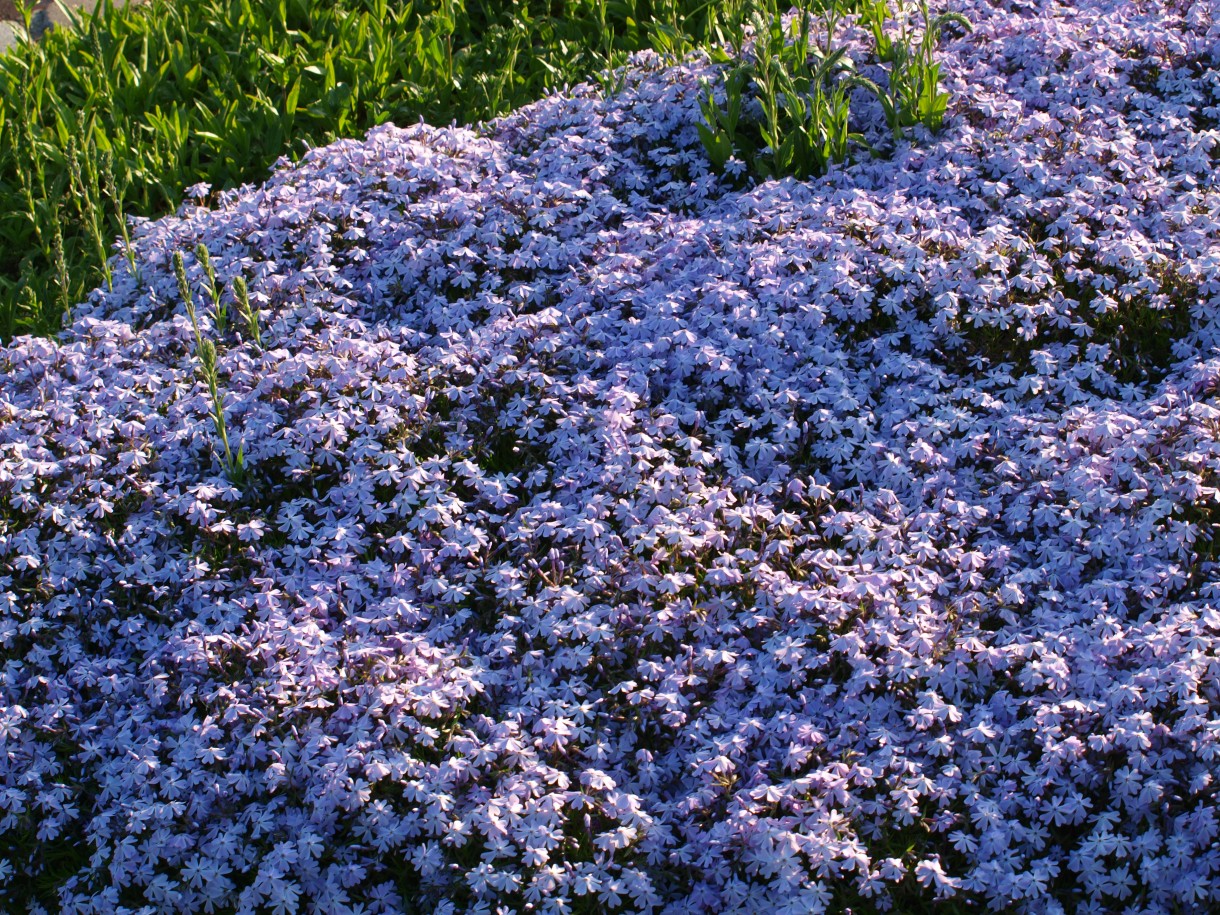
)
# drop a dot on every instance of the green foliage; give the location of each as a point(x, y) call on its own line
point(156, 97)
point(804, 127)
point(115, 193)
point(83, 180)
point(913, 95)
point(719, 132)
point(802, 88)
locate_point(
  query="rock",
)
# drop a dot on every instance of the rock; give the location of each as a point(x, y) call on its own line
point(10, 35)
point(46, 14)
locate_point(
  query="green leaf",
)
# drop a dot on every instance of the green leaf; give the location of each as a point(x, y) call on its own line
point(719, 147)
point(328, 66)
point(294, 95)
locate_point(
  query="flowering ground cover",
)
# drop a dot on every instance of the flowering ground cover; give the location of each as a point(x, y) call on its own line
point(619, 536)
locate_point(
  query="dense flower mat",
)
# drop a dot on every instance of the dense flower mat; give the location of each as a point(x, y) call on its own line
point(619, 537)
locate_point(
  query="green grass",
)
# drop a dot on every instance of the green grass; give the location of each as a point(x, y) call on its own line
point(116, 115)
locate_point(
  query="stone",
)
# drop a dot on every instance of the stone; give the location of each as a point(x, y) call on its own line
point(10, 35)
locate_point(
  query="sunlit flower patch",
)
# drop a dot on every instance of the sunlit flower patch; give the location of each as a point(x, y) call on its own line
point(619, 536)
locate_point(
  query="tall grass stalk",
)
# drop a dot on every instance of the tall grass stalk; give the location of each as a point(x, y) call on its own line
point(84, 183)
point(205, 351)
point(219, 308)
point(59, 261)
point(115, 193)
point(242, 296)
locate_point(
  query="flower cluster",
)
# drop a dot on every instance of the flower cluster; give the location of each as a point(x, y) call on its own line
point(615, 538)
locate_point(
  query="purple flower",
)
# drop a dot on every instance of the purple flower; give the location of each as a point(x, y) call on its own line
point(615, 534)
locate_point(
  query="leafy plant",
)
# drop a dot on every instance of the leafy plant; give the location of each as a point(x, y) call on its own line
point(805, 111)
point(913, 94)
point(115, 193)
point(726, 26)
point(873, 15)
point(801, 91)
point(719, 130)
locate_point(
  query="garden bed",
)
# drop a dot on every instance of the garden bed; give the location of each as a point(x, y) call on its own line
point(601, 532)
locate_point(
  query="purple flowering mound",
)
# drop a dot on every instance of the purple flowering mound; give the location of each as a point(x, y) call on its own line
point(621, 537)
